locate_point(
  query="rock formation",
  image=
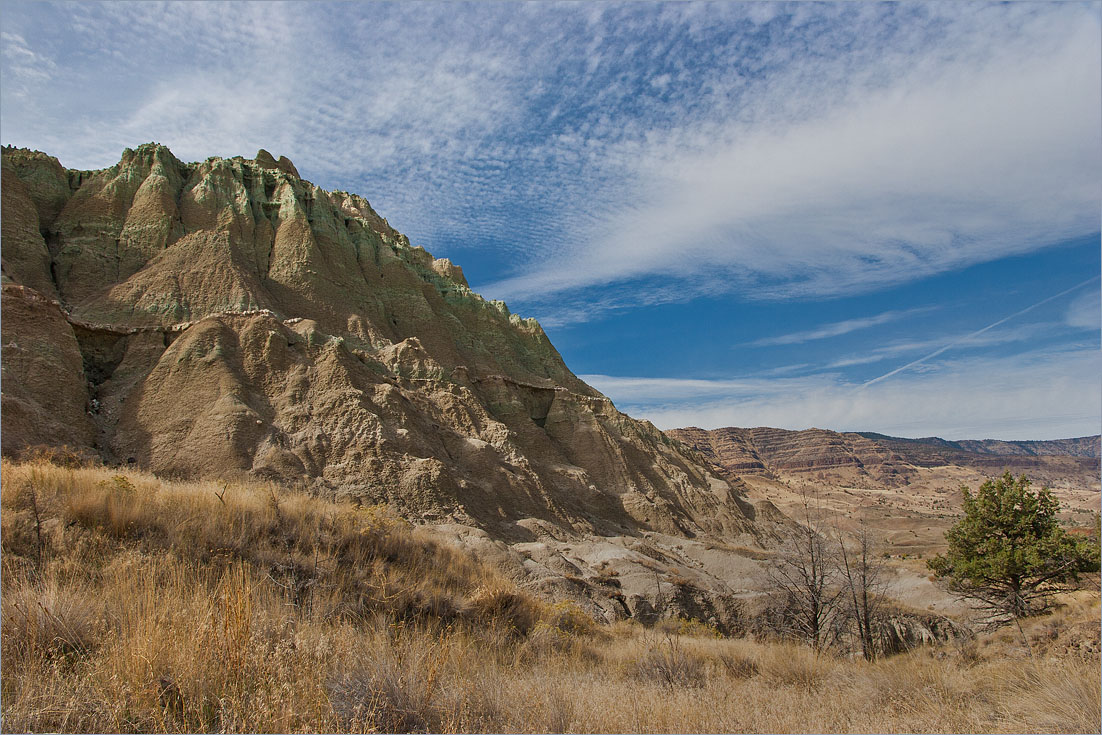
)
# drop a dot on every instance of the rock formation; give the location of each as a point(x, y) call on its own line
point(768, 451)
point(890, 460)
point(934, 450)
point(904, 492)
point(228, 318)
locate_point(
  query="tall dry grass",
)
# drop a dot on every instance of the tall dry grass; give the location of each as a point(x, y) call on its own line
point(131, 604)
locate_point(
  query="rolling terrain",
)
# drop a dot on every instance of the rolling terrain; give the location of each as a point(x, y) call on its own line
point(907, 491)
point(136, 604)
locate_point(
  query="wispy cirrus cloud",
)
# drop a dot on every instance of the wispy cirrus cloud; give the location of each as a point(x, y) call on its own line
point(972, 336)
point(1085, 312)
point(581, 160)
point(1052, 392)
point(26, 68)
point(939, 167)
point(837, 329)
point(896, 349)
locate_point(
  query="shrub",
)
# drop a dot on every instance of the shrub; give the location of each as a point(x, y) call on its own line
point(395, 689)
point(568, 617)
point(739, 666)
point(499, 603)
point(670, 664)
point(48, 619)
point(796, 666)
point(688, 627)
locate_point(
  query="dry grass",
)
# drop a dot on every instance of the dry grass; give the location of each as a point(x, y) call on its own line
point(131, 604)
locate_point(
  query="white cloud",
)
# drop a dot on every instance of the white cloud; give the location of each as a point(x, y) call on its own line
point(635, 391)
point(1085, 312)
point(808, 148)
point(979, 334)
point(777, 148)
point(1031, 396)
point(23, 66)
point(836, 329)
point(902, 347)
point(958, 162)
point(208, 115)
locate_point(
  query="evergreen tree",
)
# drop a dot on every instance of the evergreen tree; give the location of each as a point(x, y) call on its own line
point(1009, 554)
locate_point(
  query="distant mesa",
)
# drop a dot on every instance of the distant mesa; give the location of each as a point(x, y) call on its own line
point(892, 460)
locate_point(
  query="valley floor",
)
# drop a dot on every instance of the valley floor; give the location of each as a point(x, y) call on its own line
point(132, 604)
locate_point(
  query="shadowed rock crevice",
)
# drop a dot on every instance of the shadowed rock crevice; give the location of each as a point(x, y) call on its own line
point(101, 353)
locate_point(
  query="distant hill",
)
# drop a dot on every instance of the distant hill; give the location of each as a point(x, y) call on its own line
point(906, 491)
point(1083, 446)
point(765, 450)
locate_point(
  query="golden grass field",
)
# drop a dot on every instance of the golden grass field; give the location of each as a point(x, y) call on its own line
point(136, 604)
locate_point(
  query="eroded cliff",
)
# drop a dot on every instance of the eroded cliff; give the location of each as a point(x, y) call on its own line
point(228, 317)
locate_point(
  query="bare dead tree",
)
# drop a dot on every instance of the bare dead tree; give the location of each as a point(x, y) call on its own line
point(862, 578)
point(805, 574)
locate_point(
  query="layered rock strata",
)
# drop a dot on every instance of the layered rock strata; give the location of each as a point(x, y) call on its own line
point(229, 318)
point(934, 451)
point(767, 451)
point(885, 459)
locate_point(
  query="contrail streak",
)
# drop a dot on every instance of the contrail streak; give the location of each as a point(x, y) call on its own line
point(978, 332)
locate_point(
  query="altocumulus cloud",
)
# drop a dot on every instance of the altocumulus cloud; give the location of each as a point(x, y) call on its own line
point(594, 158)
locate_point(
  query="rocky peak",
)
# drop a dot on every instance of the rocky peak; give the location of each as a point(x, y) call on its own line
point(265, 160)
point(228, 317)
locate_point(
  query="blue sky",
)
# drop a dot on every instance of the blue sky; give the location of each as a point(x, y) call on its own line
point(724, 214)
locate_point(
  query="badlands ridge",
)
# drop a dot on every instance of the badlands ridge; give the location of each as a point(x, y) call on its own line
point(228, 319)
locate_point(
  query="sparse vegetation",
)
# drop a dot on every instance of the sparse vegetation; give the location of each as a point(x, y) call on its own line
point(827, 590)
point(131, 604)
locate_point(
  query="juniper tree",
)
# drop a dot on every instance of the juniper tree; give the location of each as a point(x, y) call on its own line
point(1008, 554)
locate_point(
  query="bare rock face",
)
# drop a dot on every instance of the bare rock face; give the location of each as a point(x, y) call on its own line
point(230, 318)
point(767, 451)
point(26, 259)
point(902, 631)
point(933, 451)
point(45, 396)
